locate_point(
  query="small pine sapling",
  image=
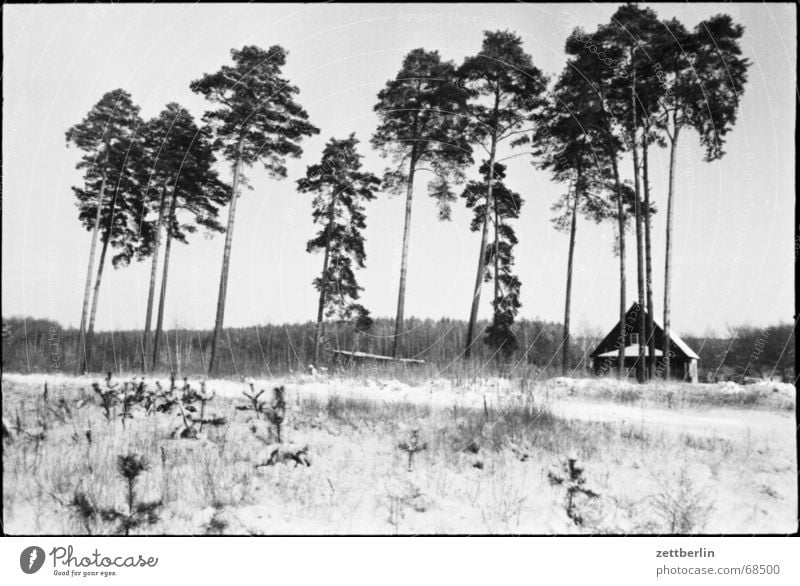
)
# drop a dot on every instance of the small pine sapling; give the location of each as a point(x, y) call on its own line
point(204, 397)
point(187, 429)
point(150, 398)
point(572, 478)
point(276, 414)
point(257, 405)
point(86, 511)
point(108, 400)
point(411, 445)
point(129, 398)
point(139, 514)
point(189, 396)
point(165, 400)
point(130, 466)
point(137, 392)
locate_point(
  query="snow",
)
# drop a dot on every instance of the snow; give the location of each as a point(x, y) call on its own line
point(740, 459)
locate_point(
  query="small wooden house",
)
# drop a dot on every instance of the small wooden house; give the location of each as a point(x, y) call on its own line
point(605, 358)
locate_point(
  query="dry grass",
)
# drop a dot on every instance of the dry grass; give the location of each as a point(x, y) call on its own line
point(483, 469)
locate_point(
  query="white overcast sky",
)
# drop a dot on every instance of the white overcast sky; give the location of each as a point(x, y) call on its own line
point(734, 244)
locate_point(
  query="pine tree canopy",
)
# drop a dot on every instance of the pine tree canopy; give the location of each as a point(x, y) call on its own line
point(422, 122)
point(256, 106)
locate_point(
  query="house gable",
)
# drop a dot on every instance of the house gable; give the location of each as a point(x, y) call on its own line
point(610, 342)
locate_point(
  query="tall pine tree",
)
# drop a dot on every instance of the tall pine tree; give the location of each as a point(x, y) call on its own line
point(632, 30)
point(109, 198)
point(340, 189)
point(258, 120)
point(421, 128)
point(587, 75)
point(499, 255)
point(505, 88)
point(704, 75)
point(562, 145)
point(184, 191)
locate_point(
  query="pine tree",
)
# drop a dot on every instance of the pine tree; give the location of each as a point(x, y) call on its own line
point(591, 77)
point(421, 128)
point(505, 89)
point(258, 120)
point(499, 260)
point(340, 188)
point(633, 98)
point(108, 138)
point(184, 192)
point(562, 144)
point(704, 75)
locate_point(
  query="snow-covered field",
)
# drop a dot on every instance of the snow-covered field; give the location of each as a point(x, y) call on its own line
point(496, 391)
point(663, 458)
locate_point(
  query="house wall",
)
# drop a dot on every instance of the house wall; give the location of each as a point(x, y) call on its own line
point(680, 368)
point(693, 370)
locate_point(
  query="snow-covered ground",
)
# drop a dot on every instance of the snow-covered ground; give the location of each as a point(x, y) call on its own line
point(583, 399)
point(641, 445)
point(436, 392)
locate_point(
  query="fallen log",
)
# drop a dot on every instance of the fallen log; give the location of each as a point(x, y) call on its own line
point(366, 357)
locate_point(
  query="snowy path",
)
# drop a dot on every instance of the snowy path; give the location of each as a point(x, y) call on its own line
point(721, 422)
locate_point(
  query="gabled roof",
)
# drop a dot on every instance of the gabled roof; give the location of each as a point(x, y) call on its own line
point(609, 345)
point(678, 341)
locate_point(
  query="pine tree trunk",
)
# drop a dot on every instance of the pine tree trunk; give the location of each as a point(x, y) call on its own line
point(95, 294)
point(101, 265)
point(496, 254)
point(476, 297)
point(152, 291)
point(640, 316)
point(668, 252)
point(401, 295)
point(568, 296)
point(81, 362)
point(640, 361)
point(162, 299)
point(622, 276)
point(323, 279)
point(648, 265)
point(223, 280)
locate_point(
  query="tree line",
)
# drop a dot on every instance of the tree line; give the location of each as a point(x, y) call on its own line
point(628, 87)
point(38, 345)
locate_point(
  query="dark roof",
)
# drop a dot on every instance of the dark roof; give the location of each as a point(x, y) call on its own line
point(610, 342)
